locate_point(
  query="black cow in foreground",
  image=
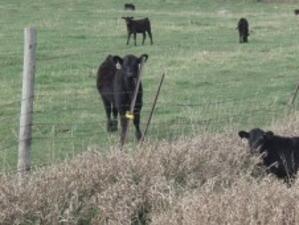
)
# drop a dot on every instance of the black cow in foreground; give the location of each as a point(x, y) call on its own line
point(280, 155)
point(129, 6)
point(296, 11)
point(105, 78)
point(117, 87)
point(243, 28)
point(124, 86)
point(138, 26)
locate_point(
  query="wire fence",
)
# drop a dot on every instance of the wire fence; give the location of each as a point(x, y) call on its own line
point(70, 124)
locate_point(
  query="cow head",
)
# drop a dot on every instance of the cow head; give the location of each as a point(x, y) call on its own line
point(130, 65)
point(127, 19)
point(256, 138)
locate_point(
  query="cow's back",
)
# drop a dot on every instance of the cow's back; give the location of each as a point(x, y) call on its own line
point(243, 26)
point(282, 155)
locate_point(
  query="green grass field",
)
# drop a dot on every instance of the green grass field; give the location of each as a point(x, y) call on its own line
point(212, 82)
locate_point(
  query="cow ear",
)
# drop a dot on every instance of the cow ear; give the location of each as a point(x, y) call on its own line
point(109, 57)
point(144, 57)
point(243, 134)
point(268, 134)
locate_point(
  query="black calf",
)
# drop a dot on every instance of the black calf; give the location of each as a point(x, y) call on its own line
point(124, 86)
point(129, 6)
point(138, 26)
point(243, 28)
point(280, 154)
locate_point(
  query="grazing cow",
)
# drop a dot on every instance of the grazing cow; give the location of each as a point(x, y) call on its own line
point(124, 86)
point(279, 154)
point(129, 6)
point(243, 28)
point(105, 78)
point(138, 26)
point(296, 11)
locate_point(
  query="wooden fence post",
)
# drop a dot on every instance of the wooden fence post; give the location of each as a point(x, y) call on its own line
point(25, 133)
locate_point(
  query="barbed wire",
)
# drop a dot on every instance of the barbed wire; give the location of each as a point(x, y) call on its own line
point(178, 123)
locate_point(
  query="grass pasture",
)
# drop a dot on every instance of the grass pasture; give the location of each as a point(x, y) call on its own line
point(212, 82)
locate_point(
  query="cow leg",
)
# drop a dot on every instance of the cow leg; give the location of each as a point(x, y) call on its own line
point(107, 106)
point(144, 36)
point(114, 121)
point(245, 39)
point(136, 121)
point(129, 36)
point(150, 35)
point(124, 127)
point(241, 39)
point(135, 38)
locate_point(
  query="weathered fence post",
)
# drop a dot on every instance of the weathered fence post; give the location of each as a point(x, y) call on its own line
point(24, 152)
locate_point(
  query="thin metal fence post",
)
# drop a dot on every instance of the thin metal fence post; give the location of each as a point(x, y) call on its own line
point(25, 133)
point(153, 108)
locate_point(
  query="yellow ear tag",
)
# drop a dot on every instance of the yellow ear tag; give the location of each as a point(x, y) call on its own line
point(129, 115)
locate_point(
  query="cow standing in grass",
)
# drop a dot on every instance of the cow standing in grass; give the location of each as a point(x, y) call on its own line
point(129, 6)
point(138, 26)
point(105, 78)
point(243, 28)
point(123, 88)
point(280, 155)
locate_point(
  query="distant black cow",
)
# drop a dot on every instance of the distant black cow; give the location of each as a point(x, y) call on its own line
point(243, 28)
point(138, 26)
point(123, 88)
point(280, 154)
point(129, 6)
point(296, 11)
point(105, 78)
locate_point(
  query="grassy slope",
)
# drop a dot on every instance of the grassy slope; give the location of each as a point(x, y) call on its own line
point(195, 43)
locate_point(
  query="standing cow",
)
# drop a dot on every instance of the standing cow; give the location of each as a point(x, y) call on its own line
point(280, 155)
point(243, 28)
point(105, 78)
point(129, 6)
point(123, 88)
point(138, 26)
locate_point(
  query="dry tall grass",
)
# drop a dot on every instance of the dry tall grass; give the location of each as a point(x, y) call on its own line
point(206, 180)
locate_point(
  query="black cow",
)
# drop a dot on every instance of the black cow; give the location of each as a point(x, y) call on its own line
point(129, 6)
point(123, 88)
point(243, 28)
point(105, 78)
point(296, 11)
point(138, 26)
point(279, 154)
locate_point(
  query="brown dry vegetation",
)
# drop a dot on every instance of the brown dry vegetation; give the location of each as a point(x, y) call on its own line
point(208, 179)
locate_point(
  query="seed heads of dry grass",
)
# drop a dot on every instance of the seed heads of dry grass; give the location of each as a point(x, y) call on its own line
point(203, 180)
